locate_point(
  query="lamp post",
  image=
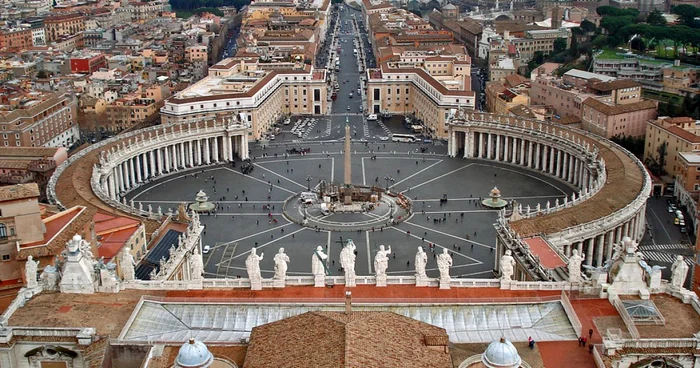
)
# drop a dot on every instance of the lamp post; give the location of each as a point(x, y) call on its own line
point(308, 183)
point(387, 178)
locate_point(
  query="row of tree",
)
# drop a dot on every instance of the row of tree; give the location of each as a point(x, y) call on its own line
point(190, 5)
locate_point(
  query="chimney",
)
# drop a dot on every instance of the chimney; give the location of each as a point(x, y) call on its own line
point(348, 302)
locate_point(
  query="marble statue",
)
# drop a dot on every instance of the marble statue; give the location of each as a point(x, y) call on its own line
point(381, 260)
point(317, 262)
point(281, 260)
point(507, 266)
point(252, 265)
point(679, 271)
point(444, 262)
point(196, 265)
point(347, 259)
point(30, 269)
point(574, 266)
point(127, 264)
point(421, 261)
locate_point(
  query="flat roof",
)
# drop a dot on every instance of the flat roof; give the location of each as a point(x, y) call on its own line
point(588, 75)
point(548, 257)
point(691, 157)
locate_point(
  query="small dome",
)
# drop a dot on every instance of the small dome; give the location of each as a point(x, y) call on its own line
point(194, 354)
point(501, 354)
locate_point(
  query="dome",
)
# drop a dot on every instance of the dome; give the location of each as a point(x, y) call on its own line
point(194, 354)
point(501, 354)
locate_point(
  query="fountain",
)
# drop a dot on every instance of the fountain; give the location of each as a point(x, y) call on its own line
point(202, 203)
point(494, 201)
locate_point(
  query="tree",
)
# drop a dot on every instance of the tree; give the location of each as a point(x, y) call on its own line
point(686, 13)
point(573, 49)
point(656, 18)
point(662, 151)
point(588, 26)
point(559, 45)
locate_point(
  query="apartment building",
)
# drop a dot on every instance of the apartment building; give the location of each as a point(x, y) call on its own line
point(87, 62)
point(502, 97)
point(196, 53)
point(16, 38)
point(262, 92)
point(127, 112)
point(36, 119)
point(21, 165)
point(681, 134)
point(565, 95)
point(431, 86)
point(539, 40)
point(618, 109)
point(59, 25)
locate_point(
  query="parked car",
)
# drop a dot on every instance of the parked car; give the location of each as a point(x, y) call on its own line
point(683, 229)
point(206, 249)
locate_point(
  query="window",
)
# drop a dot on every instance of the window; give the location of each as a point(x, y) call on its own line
point(5, 257)
point(3, 231)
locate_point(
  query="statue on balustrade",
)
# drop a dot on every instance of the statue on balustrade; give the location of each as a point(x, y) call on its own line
point(507, 266)
point(679, 271)
point(196, 265)
point(381, 260)
point(347, 259)
point(421, 262)
point(281, 260)
point(444, 262)
point(574, 266)
point(252, 265)
point(30, 269)
point(127, 264)
point(317, 262)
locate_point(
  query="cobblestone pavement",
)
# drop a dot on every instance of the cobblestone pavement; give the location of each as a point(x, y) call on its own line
point(460, 225)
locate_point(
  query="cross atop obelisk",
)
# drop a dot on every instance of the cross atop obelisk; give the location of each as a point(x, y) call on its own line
point(348, 170)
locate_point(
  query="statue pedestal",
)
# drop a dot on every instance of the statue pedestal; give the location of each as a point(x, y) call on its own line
point(381, 280)
point(255, 284)
point(655, 280)
point(505, 284)
point(347, 200)
point(350, 281)
point(279, 283)
point(319, 281)
point(421, 281)
point(445, 283)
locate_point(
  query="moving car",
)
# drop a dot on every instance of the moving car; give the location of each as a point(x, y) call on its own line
point(206, 249)
point(348, 107)
point(371, 117)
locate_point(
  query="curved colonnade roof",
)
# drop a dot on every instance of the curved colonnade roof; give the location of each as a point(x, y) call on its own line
point(625, 179)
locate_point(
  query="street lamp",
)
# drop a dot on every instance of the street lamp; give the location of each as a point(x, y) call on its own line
point(308, 183)
point(387, 178)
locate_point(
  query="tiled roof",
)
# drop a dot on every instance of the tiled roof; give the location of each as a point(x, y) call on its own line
point(38, 152)
point(615, 84)
point(619, 109)
point(358, 339)
point(19, 191)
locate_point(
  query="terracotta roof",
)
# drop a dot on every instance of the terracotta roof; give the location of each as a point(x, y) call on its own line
point(38, 152)
point(678, 131)
point(428, 78)
point(515, 80)
point(358, 339)
point(615, 84)
point(59, 230)
point(522, 111)
point(619, 109)
point(19, 191)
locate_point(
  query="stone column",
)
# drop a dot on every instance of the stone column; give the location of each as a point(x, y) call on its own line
point(626, 229)
point(601, 246)
point(138, 168)
point(498, 147)
point(198, 147)
point(215, 143)
point(207, 152)
point(159, 153)
point(132, 178)
point(558, 165)
point(166, 159)
point(514, 150)
point(244, 147)
point(489, 146)
point(481, 144)
point(505, 148)
point(110, 183)
point(538, 164)
point(579, 247)
point(609, 244)
point(183, 161)
point(570, 168)
point(529, 154)
point(521, 159)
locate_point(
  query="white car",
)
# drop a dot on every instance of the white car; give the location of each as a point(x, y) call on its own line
point(371, 117)
point(385, 138)
point(300, 135)
point(206, 249)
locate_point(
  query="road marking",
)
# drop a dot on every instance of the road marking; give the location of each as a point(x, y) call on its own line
point(525, 174)
point(660, 223)
point(369, 254)
point(328, 249)
point(271, 241)
point(414, 174)
point(280, 175)
point(364, 179)
point(332, 169)
point(441, 176)
point(174, 177)
point(261, 181)
point(448, 235)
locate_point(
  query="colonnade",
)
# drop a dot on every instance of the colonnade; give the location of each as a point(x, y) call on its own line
point(157, 157)
point(567, 155)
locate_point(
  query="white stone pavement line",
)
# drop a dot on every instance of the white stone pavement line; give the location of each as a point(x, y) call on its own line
point(280, 175)
point(525, 174)
point(260, 180)
point(660, 223)
point(665, 246)
point(414, 174)
point(260, 246)
point(364, 179)
point(476, 261)
point(257, 234)
point(458, 211)
point(449, 235)
point(441, 176)
point(477, 198)
point(159, 183)
point(224, 202)
point(248, 214)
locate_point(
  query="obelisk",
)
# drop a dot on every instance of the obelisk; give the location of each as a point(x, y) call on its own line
point(348, 171)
